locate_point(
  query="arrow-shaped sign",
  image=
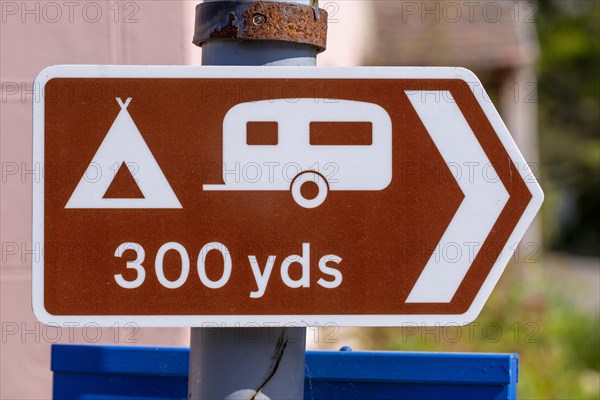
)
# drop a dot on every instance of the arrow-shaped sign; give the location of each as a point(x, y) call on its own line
point(356, 196)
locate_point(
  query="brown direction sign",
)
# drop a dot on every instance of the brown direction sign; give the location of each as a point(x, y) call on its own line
point(183, 196)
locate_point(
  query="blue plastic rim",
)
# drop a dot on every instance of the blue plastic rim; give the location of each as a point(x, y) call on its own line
point(149, 373)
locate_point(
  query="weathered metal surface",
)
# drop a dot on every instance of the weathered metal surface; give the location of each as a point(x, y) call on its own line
point(261, 20)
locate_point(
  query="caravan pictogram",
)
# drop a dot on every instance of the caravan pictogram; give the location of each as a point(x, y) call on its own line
point(360, 167)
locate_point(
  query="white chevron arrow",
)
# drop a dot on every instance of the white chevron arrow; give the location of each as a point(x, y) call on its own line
point(483, 202)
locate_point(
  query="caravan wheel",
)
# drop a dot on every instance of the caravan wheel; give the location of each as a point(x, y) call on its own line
point(309, 178)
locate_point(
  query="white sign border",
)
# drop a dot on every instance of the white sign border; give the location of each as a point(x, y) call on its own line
point(191, 72)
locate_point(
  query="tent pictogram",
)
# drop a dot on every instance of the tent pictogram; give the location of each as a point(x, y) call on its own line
point(123, 144)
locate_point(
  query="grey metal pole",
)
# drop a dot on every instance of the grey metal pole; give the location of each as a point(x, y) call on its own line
point(248, 363)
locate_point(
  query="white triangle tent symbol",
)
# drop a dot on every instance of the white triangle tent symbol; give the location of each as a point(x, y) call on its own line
point(123, 143)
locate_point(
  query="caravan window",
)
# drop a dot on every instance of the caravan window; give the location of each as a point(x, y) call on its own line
point(341, 133)
point(262, 133)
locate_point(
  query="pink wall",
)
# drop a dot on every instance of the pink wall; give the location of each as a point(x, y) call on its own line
point(33, 35)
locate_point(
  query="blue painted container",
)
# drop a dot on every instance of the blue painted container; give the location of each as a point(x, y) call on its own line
point(128, 373)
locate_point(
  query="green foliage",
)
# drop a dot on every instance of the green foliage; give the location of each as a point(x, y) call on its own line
point(569, 95)
point(557, 341)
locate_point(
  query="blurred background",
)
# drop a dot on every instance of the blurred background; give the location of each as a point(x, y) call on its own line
point(540, 64)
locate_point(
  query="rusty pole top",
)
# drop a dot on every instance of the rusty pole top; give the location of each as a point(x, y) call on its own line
point(299, 22)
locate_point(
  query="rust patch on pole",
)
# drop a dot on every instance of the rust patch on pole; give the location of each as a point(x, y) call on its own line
point(261, 20)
